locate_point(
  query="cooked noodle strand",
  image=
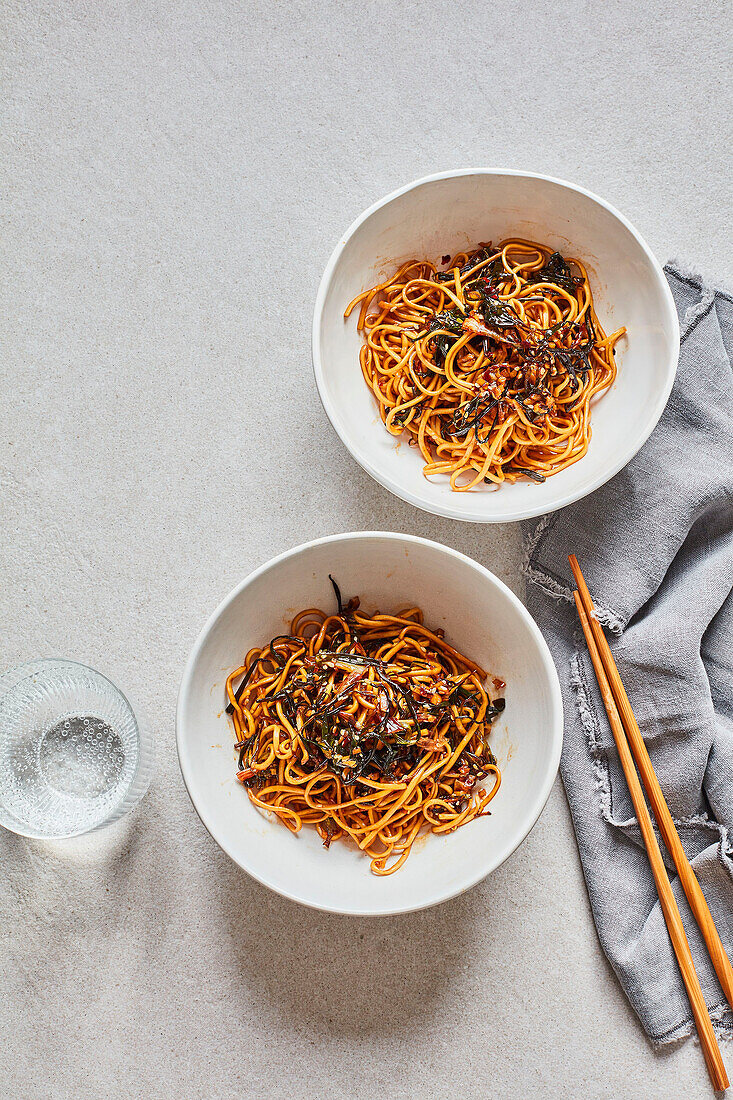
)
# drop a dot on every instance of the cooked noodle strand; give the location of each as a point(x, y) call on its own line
point(490, 365)
point(370, 727)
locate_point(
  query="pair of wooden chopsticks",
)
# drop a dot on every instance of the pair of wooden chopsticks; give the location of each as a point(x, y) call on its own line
point(628, 740)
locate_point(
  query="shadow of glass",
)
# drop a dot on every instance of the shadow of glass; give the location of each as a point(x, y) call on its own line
point(89, 890)
point(109, 845)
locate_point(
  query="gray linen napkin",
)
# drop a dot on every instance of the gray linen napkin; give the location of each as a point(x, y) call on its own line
point(656, 547)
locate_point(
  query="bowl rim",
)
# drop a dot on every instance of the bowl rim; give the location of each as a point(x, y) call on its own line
point(449, 508)
point(555, 725)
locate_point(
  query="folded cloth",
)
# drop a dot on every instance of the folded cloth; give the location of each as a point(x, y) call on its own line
point(656, 547)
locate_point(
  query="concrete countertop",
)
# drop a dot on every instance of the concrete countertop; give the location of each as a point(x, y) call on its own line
point(175, 177)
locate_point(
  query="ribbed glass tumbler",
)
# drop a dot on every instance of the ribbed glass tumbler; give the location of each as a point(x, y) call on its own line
point(72, 755)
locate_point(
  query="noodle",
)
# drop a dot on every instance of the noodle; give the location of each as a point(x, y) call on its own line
point(366, 726)
point(491, 364)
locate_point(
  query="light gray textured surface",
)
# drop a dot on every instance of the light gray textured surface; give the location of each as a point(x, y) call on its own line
point(176, 176)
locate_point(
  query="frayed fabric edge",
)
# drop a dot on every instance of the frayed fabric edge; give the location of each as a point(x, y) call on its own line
point(707, 296)
point(555, 588)
point(609, 619)
point(531, 540)
point(685, 271)
point(548, 584)
point(587, 720)
point(537, 576)
point(686, 1030)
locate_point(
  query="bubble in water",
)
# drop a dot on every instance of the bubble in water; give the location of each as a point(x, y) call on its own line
point(85, 765)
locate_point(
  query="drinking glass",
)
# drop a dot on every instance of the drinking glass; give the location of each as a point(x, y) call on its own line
point(72, 755)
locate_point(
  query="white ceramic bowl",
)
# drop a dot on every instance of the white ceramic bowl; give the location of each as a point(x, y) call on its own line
point(480, 616)
point(443, 213)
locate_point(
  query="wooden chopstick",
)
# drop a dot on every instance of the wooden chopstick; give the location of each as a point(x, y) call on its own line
point(708, 1042)
point(662, 815)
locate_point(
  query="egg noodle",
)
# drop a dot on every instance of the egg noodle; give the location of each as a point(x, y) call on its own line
point(490, 364)
point(366, 726)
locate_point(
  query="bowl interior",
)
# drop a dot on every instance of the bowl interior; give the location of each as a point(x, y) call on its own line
point(479, 615)
point(442, 215)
